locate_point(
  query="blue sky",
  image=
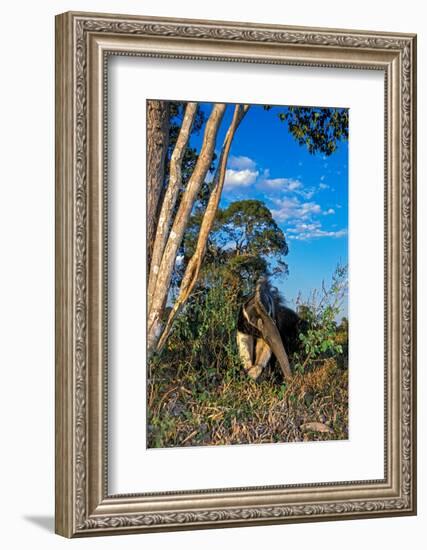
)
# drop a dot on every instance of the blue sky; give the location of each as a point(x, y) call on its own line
point(307, 194)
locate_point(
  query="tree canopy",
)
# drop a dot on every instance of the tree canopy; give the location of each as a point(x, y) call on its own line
point(244, 243)
point(320, 129)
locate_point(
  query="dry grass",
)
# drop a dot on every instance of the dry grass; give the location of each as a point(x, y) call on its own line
point(188, 407)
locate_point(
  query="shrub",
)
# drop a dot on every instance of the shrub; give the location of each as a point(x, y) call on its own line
point(204, 333)
point(322, 338)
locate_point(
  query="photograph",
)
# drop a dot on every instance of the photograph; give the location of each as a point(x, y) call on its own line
point(247, 273)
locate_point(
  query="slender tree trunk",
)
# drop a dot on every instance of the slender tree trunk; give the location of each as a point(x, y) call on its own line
point(157, 146)
point(193, 267)
point(169, 199)
point(164, 276)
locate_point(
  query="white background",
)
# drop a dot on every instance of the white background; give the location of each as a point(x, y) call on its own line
point(133, 468)
point(27, 275)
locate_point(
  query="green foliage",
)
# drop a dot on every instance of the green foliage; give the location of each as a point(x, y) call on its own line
point(320, 129)
point(204, 334)
point(322, 337)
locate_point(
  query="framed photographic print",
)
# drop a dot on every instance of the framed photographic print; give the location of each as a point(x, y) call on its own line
point(235, 274)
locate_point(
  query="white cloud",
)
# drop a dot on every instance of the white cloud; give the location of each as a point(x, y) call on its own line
point(292, 208)
point(294, 184)
point(304, 227)
point(304, 232)
point(243, 171)
point(285, 185)
point(240, 178)
point(241, 163)
point(281, 184)
point(307, 194)
point(302, 219)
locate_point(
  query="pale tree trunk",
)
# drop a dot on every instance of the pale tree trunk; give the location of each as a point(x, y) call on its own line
point(193, 268)
point(164, 276)
point(157, 146)
point(169, 199)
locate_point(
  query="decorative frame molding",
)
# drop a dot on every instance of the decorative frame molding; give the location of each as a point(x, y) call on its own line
point(83, 43)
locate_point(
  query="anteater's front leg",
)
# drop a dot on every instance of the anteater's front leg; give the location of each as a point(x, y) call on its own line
point(245, 343)
point(254, 356)
point(262, 356)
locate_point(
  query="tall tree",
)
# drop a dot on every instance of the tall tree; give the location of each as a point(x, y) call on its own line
point(170, 197)
point(158, 299)
point(157, 145)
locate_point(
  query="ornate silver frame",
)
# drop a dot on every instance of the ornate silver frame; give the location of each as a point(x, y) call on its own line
point(83, 42)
